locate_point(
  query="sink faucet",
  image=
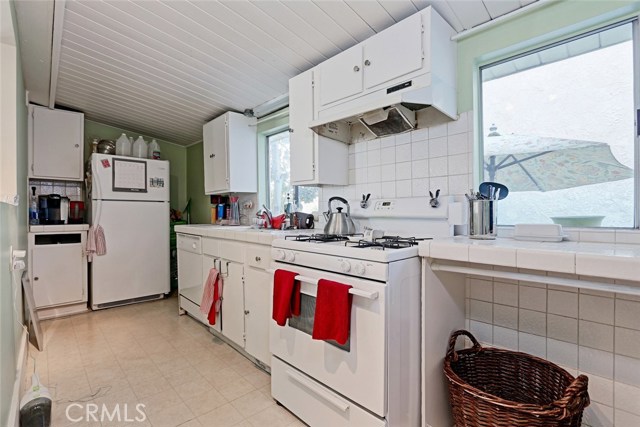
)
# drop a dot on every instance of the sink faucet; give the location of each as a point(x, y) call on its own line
point(269, 216)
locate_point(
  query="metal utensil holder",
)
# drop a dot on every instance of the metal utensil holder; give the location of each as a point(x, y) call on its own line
point(483, 219)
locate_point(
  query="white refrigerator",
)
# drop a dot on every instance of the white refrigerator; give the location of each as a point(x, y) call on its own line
point(130, 201)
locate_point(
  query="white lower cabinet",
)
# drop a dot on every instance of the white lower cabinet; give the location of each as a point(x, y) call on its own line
point(245, 288)
point(58, 272)
point(233, 302)
point(257, 304)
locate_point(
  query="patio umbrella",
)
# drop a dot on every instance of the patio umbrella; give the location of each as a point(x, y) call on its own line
point(538, 163)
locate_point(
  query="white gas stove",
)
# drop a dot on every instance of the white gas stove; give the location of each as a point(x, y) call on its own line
point(374, 380)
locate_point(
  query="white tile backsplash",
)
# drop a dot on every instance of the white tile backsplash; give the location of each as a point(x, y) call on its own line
point(627, 314)
point(596, 334)
point(438, 147)
point(596, 309)
point(595, 362)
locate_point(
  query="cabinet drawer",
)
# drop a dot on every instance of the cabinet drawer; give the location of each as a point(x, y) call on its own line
point(313, 402)
point(210, 247)
point(232, 251)
point(258, 256)
point(189, 243)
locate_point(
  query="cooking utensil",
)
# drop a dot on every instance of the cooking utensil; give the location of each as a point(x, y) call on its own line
point(339, 223)
point(485, 189)
point(305, 221)
point(106, 146)
point(267, 212)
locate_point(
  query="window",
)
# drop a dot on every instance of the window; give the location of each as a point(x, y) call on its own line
point(304, 199)
point(558, 130)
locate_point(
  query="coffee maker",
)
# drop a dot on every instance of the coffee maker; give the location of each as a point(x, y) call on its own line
point(49, 209)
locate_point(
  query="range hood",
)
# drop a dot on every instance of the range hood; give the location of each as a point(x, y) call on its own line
point(387, 111)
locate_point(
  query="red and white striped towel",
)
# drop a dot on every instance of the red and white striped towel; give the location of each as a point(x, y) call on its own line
point(211, 301)
point(96, 243)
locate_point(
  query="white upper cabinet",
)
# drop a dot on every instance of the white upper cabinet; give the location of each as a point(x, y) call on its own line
point(414, 57)
point(341, 76)
point(315, 159)
point(56, 144)
point(390, 54)
point(230, 154)
point(394, 52)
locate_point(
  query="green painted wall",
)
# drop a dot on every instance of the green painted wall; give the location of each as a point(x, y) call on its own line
point(13, 232)
point(176, 154)
point(556, 21)
point(200, 203)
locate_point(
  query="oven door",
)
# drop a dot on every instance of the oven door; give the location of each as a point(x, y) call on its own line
point(356, 370)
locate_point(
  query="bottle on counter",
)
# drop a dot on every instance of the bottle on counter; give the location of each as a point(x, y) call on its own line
point(94, 145)
point(154, 150)
point(123, 146)
point(33, 208)
point(140, 148)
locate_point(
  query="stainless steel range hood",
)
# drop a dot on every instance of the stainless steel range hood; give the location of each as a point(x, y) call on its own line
point(389, 121)
point(387, 111)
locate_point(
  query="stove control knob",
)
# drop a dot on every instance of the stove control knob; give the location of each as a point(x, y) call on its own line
point(345, 266)
point(360, 268)
point(279, 254)
point(291, 256)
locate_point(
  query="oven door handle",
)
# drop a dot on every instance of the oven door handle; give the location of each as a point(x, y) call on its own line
point(352, 291)
point(319, 391)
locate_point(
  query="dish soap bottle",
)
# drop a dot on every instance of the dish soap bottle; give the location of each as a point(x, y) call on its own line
point(123, 146)
point(140, 148)
point(33, 208)
point(154, 150)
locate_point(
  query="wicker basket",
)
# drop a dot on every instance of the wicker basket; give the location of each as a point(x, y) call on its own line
point(490, 387)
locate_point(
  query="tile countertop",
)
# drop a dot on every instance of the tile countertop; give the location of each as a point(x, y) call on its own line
point(607, 260)
point(241, 233)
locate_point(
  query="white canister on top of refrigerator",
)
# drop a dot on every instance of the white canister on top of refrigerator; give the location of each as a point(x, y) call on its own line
point(140, 148)
point(154, 150)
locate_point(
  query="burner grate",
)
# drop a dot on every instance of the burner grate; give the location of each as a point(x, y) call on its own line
point(319, 238)
point(387, 242)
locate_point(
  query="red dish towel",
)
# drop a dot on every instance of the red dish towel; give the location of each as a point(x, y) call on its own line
point(210, 302)
point(332, 320)
point(286, 296)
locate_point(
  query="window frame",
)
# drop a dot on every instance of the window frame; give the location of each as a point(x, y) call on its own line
point(523, 49)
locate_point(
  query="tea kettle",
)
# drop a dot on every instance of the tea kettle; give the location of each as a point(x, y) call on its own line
point(339, 222)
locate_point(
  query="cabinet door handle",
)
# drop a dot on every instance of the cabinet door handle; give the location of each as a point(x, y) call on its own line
point(211, 156)
point(246, 312)
point(356, 68)
point(258, 259)
point(35, 278)
point(77, 145)
point(290, 130)
point(367, 63)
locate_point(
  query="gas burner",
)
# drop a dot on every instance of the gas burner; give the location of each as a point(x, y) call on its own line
point(387, 242)
point(319, 238)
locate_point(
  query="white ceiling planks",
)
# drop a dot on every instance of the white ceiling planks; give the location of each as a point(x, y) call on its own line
point(163, 67)
point(470, 12)
point(296, 26)
point(314, 16)
point(398, 9)
point(372, 13)
point(342, 14)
